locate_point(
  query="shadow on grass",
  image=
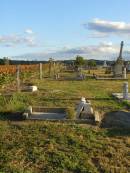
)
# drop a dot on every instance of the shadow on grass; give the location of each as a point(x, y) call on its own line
point(116, 119)
point(114, 132)
point(117, 123)
point(12, 116)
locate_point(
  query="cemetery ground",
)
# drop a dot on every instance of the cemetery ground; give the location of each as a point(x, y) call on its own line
point(44, 146)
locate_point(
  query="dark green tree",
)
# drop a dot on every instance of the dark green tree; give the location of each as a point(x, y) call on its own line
point(79, 61)
point(92, 63)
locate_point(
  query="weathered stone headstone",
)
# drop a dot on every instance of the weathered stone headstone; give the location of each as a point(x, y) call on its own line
point(125, 91)
point(124, 73)
point(57, 76)
point(29, 110)
point(32, 88)
point(80, 107)
point(119, 64)
point(105, 64)
point(84, 107)
point(97, 117)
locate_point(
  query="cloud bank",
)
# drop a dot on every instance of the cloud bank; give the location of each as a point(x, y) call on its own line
point(104, 50)
point(104, 28)
point(28, 39)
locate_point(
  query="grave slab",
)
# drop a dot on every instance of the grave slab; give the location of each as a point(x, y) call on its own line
point(42, 113)
point(120, 96)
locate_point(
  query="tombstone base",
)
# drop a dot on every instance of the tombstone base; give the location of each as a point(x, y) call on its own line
point(120, 96)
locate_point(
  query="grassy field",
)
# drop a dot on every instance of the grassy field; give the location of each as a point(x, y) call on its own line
point(38, 146)
point(54, 93)
point(31, 147)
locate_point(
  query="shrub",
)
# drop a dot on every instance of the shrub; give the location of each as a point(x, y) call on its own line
point(71, 113)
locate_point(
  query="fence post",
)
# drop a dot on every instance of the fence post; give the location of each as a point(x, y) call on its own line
point(40, 71)
point(50, 66)
point(18, 77)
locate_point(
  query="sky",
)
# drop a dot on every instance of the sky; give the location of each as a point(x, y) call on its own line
point(62, 29)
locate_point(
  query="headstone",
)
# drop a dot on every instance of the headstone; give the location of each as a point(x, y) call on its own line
point(25, 115)
point(119, 64)
point(55, 76)
point(124, 73)
point(87, 108)
point(125, 90)
point(105, 64)
point(29, 110)
point(84, 107)
point(58, 75)
point(128, 66)
point(80, 107)
point(32, 88)
point(97, 117)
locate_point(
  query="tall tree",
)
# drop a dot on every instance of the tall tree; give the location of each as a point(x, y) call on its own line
point(79, 61)
point(92, 63)
point(6, 61)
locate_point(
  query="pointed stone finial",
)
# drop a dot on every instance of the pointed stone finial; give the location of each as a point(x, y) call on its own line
point(121, 49)
point(83, 99)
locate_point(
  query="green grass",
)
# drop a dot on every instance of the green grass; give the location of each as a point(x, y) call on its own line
point(29, 147)
point(59, 148)
point(61, 94)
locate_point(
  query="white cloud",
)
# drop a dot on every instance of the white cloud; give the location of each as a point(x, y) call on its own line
point(29, 31)
point(101, 48)
point(18, 40)
point(104, 50)
point(104, 28)
point(97, 35)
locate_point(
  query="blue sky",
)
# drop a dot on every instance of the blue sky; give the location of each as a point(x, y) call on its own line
point(64, 28)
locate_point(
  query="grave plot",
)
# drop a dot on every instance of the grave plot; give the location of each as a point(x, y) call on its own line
point(29, 87)
point(41, 113)
point(70, 76)
point(83, 111)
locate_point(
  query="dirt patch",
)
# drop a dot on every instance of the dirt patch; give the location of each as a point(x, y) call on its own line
point(116, 119)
